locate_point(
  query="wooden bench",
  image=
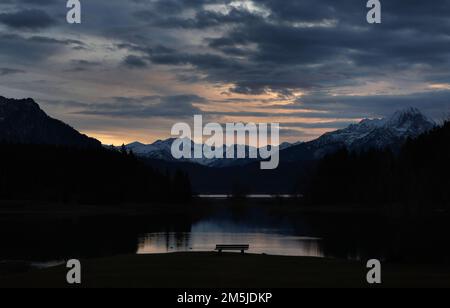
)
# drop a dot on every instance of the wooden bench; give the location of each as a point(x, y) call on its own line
point(241, 248)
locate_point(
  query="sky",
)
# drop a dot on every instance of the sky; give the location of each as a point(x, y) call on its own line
point(134, 68)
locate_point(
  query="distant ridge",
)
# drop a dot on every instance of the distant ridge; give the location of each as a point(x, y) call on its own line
point(22, 121)
point(390, 132)
point(161, 150)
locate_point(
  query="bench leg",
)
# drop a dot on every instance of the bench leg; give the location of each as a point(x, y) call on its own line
point(242, 252)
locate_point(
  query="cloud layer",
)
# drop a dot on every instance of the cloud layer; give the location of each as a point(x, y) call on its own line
point(301, 62)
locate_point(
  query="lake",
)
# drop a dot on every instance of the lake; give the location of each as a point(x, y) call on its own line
point(206, 234)
point(339, 235)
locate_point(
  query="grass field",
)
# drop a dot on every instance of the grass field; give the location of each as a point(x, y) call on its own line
point(210, 270)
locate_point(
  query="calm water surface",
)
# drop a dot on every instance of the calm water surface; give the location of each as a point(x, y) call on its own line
point(202, 238)
point(345, 236)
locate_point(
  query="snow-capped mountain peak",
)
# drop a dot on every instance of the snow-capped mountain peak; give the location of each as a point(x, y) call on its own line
point(390, 132)
point(409, 120)
point(405, 123)
point(161, 149)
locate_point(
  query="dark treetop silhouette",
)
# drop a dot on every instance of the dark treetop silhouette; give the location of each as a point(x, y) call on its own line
point(416, 178)
point(44, 159)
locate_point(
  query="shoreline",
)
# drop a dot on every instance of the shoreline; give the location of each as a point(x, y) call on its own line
point(36, 209)
point(228, 270)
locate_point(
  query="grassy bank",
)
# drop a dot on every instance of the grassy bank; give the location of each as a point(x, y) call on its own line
point(209, 270)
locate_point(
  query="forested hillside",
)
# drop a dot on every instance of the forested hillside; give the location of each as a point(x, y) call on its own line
point(75, 175)
point(418, 177)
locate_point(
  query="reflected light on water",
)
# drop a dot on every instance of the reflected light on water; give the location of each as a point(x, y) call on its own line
point(267, 243)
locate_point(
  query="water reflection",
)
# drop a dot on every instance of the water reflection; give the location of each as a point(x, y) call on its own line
point(338, 235)
point(206, 234)
point(267, 243)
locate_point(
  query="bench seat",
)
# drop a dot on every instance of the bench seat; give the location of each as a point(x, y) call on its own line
point(241, 248)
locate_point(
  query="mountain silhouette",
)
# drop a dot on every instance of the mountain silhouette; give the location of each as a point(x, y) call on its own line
point(417, 176)
point(161, 150)
point(24, 122)
point(43, 159)
point(388, 133)
point(297, 161)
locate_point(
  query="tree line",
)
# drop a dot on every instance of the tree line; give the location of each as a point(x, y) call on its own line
point(84, 175)
point(416, 178)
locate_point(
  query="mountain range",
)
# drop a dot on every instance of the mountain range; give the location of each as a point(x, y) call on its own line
point(24, 122)
point(389, 132)
point(161, 150)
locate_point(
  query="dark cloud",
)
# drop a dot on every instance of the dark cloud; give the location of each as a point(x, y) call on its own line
point(434, 103)
point(310, 44)
point(146, 107)
point(32, 2)
point(83, 65)
point(266, 116)
point(34, 48)
point(298, 45)
point(30, 19)
point(9, 71)
point(322, 48)
point(202, 20)
point(133, 61)
point(324, 125)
